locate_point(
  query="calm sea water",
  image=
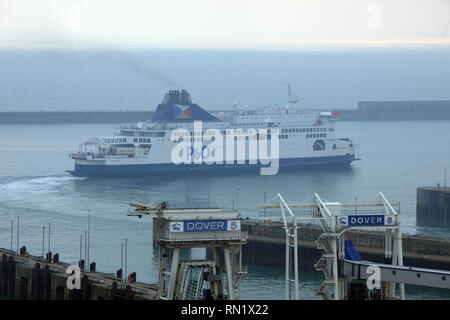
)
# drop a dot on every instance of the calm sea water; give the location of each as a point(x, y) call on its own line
point(397, 157)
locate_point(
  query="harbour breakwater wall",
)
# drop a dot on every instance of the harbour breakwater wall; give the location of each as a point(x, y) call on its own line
point(365, 111)
point(26, 277)
point(46, 117)
point(266, 246)
point(398, 110)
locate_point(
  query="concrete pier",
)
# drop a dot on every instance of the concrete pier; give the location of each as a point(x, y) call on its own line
point(26, 277)
point(266, 246)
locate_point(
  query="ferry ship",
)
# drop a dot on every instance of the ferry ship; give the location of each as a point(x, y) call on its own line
point(305, 138)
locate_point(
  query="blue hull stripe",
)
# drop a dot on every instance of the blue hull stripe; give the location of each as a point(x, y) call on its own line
point(170, 168)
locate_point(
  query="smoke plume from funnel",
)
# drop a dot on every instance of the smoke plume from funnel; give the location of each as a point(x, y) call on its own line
point(141, 68)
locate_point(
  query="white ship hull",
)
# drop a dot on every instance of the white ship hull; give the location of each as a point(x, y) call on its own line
point(89, 169)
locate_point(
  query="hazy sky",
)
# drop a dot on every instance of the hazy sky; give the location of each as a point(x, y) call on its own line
point(269, 24)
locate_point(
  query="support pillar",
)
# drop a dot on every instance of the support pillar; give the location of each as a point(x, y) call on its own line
point(173, 273)
point(162, 272)
point(229, 271)
point(295, 258)
point(216, 285)
point(400, 260)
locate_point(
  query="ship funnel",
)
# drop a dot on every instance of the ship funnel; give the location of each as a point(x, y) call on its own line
point(177, 106)
point(177, 97)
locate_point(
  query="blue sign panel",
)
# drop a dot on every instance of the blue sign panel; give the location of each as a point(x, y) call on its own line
point(365, 220)
point(206, 225)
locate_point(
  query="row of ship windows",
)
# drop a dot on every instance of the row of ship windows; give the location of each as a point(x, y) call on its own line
point(158, 134)
point(247, 124)
point(213, 138)
point(145, 140)
point(282, 136)
point(124, 140)
point(148, 140)
point(316, 135)
point(206, 133)
point(317, 129)
point(162, 134)
point(115, 140)
point(313, 135)
point(290, 116)
point(250, 124)
point(292, 130)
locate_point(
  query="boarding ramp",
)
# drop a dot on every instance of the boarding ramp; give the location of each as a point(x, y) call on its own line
point(193, 282)
point(354, 267)
point(400, 274)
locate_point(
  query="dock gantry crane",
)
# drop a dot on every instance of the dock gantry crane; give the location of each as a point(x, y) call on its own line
point(340, 261)
point(216, 230)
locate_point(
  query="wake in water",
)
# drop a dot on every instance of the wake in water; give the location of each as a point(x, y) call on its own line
point(33, 182)
point(38, 193)
point(33, 185)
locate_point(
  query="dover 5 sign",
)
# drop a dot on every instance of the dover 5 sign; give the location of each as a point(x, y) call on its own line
point(205, 226)
point(366, 220)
